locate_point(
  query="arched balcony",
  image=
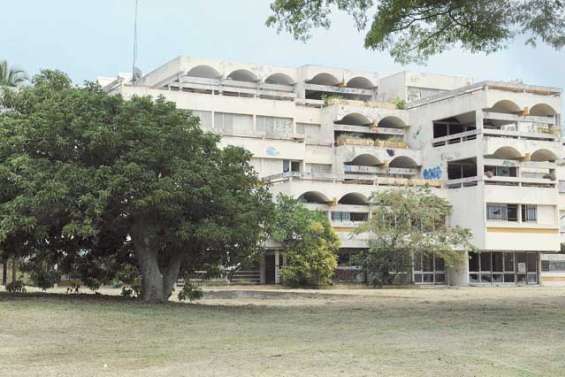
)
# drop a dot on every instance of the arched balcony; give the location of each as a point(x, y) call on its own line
point(313, 197)
point(360, 82)
point(204, 71)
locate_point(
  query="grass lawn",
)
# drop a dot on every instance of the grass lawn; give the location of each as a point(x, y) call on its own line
point(275, 332)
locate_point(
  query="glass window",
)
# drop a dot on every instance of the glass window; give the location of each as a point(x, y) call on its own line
point(532, 262)
point(205, 118)
point(509, 262)
point(497, 261)
point(485, 261)
point(474, 262)
point(496, 212)
point(529, 213)
point(274, 128)
point(233, 124)
point(512, 212)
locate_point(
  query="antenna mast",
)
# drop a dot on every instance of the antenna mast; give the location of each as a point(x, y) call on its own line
point(134, 68)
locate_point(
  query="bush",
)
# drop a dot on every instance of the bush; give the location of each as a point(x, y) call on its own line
point(16, 287)
point(190, 292)
point(44, 279)
point(313, 263)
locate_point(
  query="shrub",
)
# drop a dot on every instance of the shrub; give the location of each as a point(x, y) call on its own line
point(16, 287)
point(190, 292)
point(44, 278)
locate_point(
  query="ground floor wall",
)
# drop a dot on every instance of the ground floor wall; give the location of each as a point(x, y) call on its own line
point(485, 267)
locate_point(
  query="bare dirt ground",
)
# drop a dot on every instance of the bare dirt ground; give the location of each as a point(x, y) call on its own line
point(270, 331)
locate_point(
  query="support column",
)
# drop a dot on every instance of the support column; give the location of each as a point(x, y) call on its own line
point(262, 270)
point(458, 275)
point(277, 271)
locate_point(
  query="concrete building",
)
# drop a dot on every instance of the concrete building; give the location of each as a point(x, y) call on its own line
point(331, 137)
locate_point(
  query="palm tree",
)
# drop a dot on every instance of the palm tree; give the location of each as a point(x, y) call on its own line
point(11, 76)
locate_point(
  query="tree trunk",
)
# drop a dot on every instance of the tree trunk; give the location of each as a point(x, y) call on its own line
point(14, 270)
point(157, 285)
point(5, 271)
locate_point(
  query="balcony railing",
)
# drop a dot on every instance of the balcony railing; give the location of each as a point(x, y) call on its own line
point(500, 181)
point(350, 178)
point(400, 144)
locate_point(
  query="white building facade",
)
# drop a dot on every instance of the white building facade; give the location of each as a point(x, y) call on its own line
point(331, 137)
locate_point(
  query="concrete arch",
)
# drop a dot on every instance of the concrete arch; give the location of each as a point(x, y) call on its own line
point(354, 198)
point(313, 197)
point(355, 119)
point(360, 82)
point(506, 106)
point(243, 75)
point(507, 153)
point(325, 79)
point(542, 110)
point(365, 160)
point(403, 162)
point(543, 155)
point(392, 122)
point(204, 71)
point(279, 79)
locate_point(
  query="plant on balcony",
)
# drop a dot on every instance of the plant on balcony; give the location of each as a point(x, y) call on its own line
point(352, 139)
point(309, 241)
point(403, 222)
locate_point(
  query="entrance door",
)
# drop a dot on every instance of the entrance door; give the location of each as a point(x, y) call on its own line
point(269, 269)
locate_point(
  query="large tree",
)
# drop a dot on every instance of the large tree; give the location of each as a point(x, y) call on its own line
point(94, 179)
point(413, 30)
point(404, 222)
point(10, 76)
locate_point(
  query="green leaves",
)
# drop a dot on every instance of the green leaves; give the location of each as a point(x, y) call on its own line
point(79, 169)
point(406, 221)
point(414, 30)
point(309, 241)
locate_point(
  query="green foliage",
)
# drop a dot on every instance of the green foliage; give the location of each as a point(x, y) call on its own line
point(11, 77)
point(414, 30)
point(309, 242)
point(98, 182)
point(190, 292)
point(16, 287)
point(399, 103)
point(406, 221)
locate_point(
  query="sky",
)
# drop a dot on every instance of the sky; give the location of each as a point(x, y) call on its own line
point(94, 38)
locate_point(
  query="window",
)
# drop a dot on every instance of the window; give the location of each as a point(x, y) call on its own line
point(291, 166)
point(529, 213)
point(562, 187)
point(553, 266)
point(355, 217)
point(502, 212)
point(233, 124)
point(205, 118)
point(274, 128)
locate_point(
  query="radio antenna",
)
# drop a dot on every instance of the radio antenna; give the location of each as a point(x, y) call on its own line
point(135, 72)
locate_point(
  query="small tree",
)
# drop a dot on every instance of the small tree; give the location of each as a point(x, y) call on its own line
point(309, 242)
point(403, 222)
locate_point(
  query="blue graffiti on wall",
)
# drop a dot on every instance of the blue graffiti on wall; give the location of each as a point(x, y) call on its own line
point(432, 173)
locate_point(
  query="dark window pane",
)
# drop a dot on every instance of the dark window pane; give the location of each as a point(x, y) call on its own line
point(473, 262)
point(532, 278)
point(474, 278)
point(497, 262)
point(440, 278)
point(512, 212)
point(486, 278)
point(440, 264)
point(417, 262)
point(509, 278)
point(428, 278)
point(427, 262)
point(417, 278)
point(497, 278)
point(485, 261)
point(532, 262)
point(508, 261)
